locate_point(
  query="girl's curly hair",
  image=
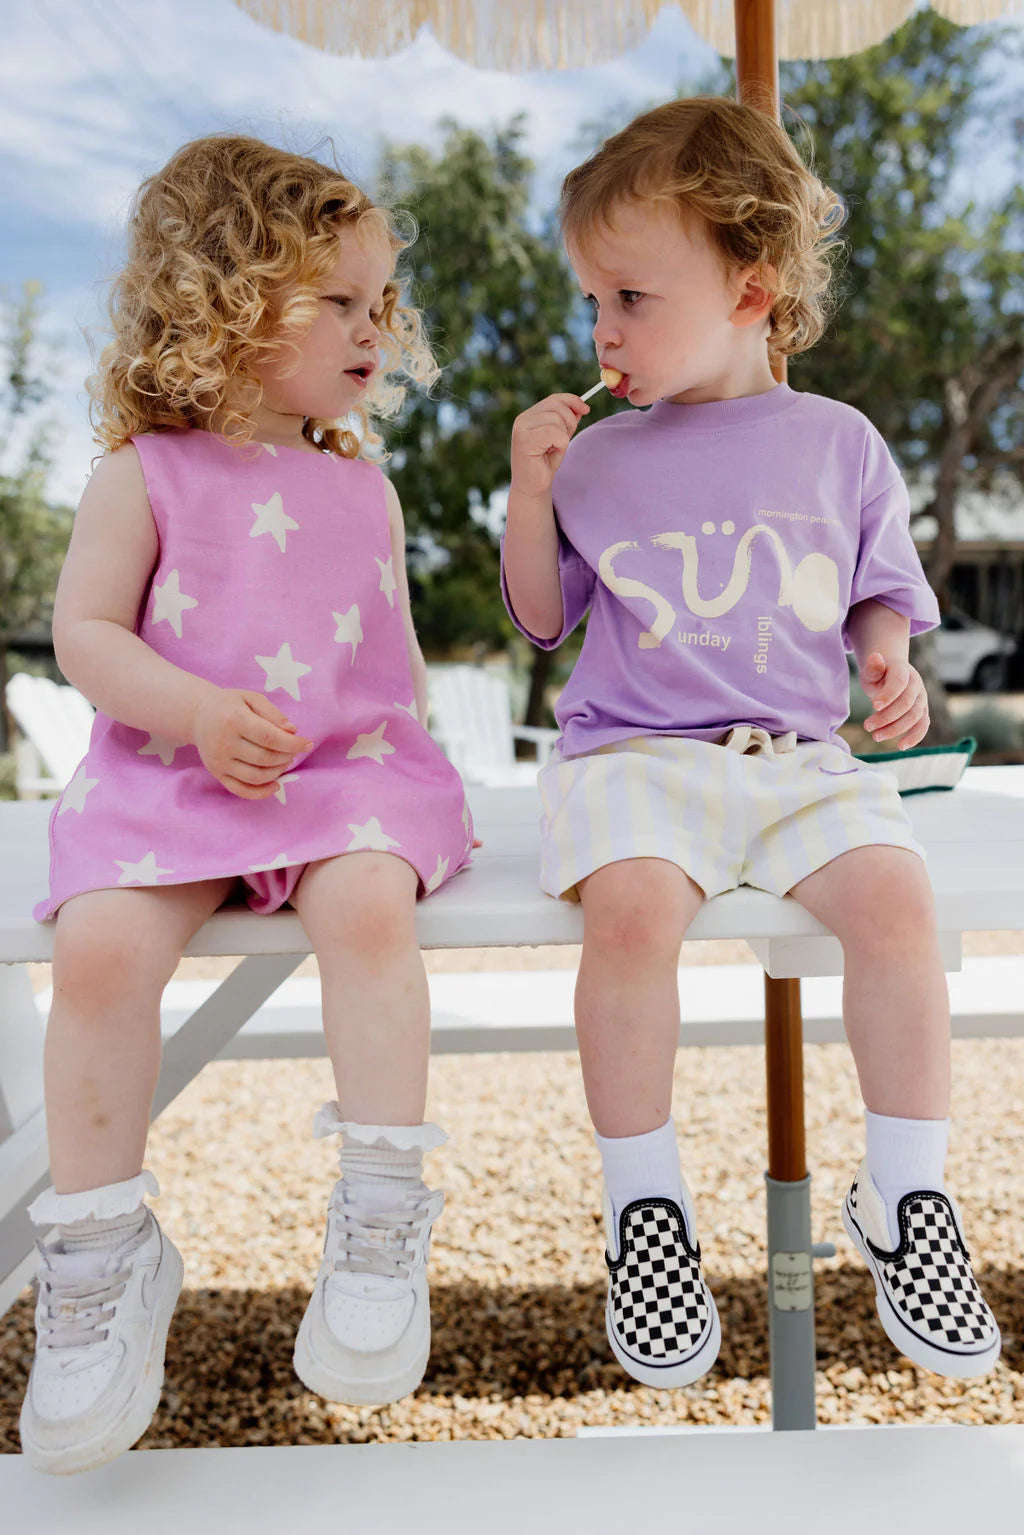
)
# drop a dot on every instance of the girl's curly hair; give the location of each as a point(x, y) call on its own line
point(736, 169)
point(227, 247)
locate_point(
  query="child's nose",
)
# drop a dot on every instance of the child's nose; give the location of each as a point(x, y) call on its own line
point(605, 333)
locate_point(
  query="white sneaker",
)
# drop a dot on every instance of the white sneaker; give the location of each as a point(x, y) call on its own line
point(365, 1337)
point(99, 1363)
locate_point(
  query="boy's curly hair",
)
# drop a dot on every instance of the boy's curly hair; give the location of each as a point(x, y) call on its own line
point(736, 169)
point(227, 247)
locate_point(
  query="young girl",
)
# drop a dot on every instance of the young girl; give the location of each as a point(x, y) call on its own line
point(235, 603)
point(731, 541)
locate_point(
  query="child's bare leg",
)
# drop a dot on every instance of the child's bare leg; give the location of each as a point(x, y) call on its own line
point(359, 911)
point(114, 951)
point(878, 902)
point(636, 914)
point(365, 1335)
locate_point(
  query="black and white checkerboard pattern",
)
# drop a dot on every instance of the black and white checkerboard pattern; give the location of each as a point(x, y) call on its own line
point(658, 1301)
point(929, 1277)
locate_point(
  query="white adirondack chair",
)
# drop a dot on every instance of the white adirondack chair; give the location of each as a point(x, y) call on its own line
point(471, 719)
point(55, 723)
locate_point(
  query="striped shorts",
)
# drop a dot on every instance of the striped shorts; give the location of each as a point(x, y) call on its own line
point(749, 810)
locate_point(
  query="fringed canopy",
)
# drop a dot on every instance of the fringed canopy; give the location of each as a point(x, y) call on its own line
point(567, 34)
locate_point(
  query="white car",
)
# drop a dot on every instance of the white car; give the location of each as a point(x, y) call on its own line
point(970, 655)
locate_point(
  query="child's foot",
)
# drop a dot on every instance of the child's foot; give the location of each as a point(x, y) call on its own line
point(365, 1337)
point(100, 1340)
point(926, 1294)
point(661, 1318)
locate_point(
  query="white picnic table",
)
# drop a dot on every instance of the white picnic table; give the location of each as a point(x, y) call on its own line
point(974, 837)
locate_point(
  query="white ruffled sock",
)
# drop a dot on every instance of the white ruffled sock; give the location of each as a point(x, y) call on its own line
point(383, 1162)
point(91, 1223)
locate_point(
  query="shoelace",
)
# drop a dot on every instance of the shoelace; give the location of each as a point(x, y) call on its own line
point(78, 1311)
point(367, 1243)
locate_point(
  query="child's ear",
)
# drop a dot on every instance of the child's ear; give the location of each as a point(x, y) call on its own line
point(754, 288)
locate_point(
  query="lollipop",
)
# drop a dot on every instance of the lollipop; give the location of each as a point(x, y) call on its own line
point(610, 377)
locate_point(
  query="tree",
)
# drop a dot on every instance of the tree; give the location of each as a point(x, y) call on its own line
point(33, 534)
point(929, 342)
point(500, 305)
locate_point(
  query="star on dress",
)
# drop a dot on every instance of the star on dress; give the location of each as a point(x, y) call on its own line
point(372, 837)
point(409, 709)
point(349, 630)
point(158, 746)
point(438, 874)
point(372, 745)
point(387, 578)
point(280, 862)
point(145, 872)
point(279, 790)
point(272, 518)
point(169, 602)
point(283, 671)
point(75, 793)
point(270, 448)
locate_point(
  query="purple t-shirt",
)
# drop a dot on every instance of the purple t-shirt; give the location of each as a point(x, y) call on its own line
point(720, 548)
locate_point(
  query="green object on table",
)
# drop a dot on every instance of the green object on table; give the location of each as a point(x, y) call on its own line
point(923, 768)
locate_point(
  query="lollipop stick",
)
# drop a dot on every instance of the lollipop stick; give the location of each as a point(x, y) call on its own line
point(593, 390)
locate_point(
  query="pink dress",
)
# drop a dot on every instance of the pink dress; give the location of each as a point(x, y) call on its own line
point(275, 575)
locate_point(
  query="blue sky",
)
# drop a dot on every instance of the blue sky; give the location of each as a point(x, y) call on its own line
point(95, 94)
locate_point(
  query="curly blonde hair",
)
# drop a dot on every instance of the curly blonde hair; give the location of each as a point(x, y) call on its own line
point(227, 248)
point(735, 168)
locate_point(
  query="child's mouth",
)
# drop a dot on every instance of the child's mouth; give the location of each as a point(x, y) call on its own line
point(361, 375)
point(621, 388)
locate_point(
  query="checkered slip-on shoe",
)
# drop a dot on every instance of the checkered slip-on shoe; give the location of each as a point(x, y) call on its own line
point(661, 1318)
point(927, 1297)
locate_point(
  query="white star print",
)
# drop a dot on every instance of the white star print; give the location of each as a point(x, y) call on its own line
point(272, 518)
point(465, 815)
point(349, 630)
point(372, 745)
point(270, 448)
point(372, 837)
point(283, 671)
point(280, 862)
point(387, 579)
point(145, 872)
point(157, 746)
point(74, 795)
point(409, 709)
point(169, 602)
point(279, 792)
point(438, 874)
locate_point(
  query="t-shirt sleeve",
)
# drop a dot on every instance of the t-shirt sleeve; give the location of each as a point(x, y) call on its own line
point(577, 581)
point(889, 567)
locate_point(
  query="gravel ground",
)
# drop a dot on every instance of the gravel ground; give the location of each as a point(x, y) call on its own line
point(517, 1273)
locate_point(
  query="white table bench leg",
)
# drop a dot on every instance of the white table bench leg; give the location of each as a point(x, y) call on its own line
point(21, 1050)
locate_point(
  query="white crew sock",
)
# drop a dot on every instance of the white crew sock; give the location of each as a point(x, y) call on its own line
point(639, 1166)
point(904, 1155)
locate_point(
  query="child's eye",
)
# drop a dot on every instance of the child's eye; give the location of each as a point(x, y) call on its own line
point(588, 298)
point(630, 296)
point(336, 298)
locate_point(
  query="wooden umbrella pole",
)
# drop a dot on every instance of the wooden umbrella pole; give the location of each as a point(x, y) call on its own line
point(757, 84)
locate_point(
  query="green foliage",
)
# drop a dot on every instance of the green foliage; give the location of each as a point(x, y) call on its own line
point(995, 730)
point(33, 534)
point(501, 308)
point(931, 287)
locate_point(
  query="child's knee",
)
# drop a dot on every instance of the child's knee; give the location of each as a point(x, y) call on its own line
point(93, 956)
point(371, 912)
point(636, 910)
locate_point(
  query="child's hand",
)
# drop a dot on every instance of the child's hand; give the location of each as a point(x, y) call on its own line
point(899, 698)
point(245, 741)
point(540, 437)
